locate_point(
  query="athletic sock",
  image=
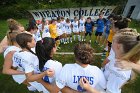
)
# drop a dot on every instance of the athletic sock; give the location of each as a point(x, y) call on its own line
point(68, 39)
point(74, 37)
point(31, 88)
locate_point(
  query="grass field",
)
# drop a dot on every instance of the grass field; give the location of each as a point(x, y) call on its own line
point(7, 85)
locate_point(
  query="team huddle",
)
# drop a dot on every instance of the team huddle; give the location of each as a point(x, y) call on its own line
point(29, 55)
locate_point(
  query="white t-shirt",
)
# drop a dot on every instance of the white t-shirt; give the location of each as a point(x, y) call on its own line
point(75, 26)
point(63, 26)
point(9, 49)
point(81, 25)
point(59, 29)
point(68, 28)
point(115, 77)
point(46, 32)
point(56, 66)
point(111, 55)
point(28, 62)
point(71, 74)
point(17, 78)
point(38, 36)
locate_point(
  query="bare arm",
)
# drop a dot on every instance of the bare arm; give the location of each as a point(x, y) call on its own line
point(34, 77)
point(84, 83)
point(3, 44)
point(128, 65)
point(7, 67)
point(68, 90)
point(52, 88)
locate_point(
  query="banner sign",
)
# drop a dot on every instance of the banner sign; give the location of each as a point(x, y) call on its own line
point(70, 13)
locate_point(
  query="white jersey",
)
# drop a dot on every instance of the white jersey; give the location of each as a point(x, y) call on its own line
point(63, 26)
point(28, 62)
point(46, 32)
point(71, 74)
point(56, 66)
point(17, 78)
point(59, 29)
point(81, 25)
point(68, 28)
point(111, 55)
point(9, 49)
point(75, 26)
point(115, 77)
point(38, 36)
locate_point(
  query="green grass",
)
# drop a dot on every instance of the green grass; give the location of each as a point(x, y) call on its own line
point(7, 85)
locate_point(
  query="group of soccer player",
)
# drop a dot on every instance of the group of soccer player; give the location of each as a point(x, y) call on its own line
point(29, 55)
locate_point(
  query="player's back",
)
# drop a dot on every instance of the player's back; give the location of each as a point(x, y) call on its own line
point(71, 74)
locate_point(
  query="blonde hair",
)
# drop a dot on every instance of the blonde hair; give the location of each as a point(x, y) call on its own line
point(11, 36)
point(13, 24)
point(131, 45)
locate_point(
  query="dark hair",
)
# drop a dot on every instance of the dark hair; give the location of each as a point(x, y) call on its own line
point(43, 20)
point(117, 17)
point(83, 53)
point(22, 40)
point(30, 27)
point(43, 50)
point(75, 17)
point(67, 20)
point(62, 17)
point(89, 18)
point(122, 23)
point(53, 20)
point(58, 18)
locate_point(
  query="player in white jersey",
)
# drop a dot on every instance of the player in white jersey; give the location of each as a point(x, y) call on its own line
point(18, 76)
point(82, 28)
point(121, 46)
point(63, 22)
point(12, 25)
point(71, 73)
point(25, 60)
point(75, 28)
point(59, 27)
point(68, 30)
point(44, 28)
point(45, 49)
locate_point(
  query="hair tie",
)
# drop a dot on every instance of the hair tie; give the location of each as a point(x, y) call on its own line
point(138, 38)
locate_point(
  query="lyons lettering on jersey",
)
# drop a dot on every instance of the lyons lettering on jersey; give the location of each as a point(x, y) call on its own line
point(76, 79)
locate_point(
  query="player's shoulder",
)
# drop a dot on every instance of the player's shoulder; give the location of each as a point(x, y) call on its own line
point(94, 67)
point(10, 48)
point(53, 63)
point(69, 66)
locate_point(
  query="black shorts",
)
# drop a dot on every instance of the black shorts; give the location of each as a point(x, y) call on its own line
point(109, 44)
point(90, 33)
point(98, 33)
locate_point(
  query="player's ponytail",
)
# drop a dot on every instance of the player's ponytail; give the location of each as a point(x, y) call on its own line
point(13, 24)
point(83, 53)
point(44, 50)
point(22, 40)
point(120, 24)
point(11, 37)
point(131, 45)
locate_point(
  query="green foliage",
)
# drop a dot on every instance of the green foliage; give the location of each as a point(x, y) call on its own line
point(18, 8)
